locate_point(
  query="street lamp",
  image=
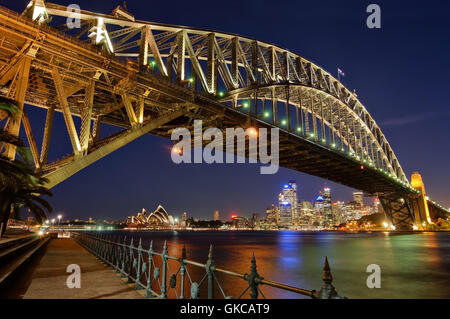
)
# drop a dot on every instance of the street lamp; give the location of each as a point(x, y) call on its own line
point(59, 219)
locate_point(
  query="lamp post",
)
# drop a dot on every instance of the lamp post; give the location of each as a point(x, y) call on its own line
point(59, 219)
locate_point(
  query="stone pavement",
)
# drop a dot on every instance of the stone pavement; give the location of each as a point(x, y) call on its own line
point(97, 280)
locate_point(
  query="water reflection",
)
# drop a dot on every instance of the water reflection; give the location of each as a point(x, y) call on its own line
point(412, 265)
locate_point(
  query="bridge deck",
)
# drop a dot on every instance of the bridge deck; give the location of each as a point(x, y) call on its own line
point(97, 280)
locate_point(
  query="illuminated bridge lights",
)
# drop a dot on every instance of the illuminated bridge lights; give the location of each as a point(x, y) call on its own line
point(283, 122)
point(266, 114)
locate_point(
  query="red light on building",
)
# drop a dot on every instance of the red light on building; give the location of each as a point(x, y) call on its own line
point(234, 216)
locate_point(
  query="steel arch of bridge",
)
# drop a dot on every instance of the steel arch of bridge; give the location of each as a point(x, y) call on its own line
point(249, 69)
point(150, 77)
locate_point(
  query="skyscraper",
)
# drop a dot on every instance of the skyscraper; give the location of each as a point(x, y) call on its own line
point(289, 196)
point(216, 215)
point(306, 216)
point(327, 210)
point(285, 218)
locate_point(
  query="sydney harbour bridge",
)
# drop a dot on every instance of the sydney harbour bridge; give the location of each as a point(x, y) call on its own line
point(150, 78)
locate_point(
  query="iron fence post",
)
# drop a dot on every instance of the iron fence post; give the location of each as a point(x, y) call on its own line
point(327, 291)
point(182, 271)
point(164, 272)
point(130, 262)
point(148, 291)
point(123, 253)
point(138, 269)
point(253, 279)
point(210, 267)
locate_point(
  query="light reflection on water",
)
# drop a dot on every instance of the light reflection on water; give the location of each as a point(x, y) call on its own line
point(412, 265)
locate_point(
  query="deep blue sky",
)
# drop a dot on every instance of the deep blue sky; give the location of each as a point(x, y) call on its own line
point(400, 73)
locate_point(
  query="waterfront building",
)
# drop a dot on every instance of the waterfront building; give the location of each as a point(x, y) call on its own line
point(285, 218)
point(240, 222)
point(353, 211)
point(272, 214)
point(306, 216)
point(339, 216)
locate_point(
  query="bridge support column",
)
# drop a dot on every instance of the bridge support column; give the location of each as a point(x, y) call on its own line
point(399, 210)
point(421, 209)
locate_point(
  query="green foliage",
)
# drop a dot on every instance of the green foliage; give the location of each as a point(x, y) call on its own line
point(20, 185)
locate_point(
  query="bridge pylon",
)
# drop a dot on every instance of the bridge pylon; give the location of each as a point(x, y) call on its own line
point(420, 203)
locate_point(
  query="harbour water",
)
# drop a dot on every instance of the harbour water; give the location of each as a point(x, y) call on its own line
point(413, 265)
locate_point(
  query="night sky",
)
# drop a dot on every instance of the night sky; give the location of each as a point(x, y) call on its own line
point(400, 73)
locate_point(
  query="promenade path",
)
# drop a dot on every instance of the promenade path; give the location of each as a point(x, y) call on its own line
point(97, 280)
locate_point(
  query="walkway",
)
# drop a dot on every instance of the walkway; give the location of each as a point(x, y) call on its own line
point(97, 280)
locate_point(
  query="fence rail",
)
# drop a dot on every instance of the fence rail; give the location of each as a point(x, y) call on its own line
point(141, 268)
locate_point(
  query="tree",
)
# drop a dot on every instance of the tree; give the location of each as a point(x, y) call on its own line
point(20, 185)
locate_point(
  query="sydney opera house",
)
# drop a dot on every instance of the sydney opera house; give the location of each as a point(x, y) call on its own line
point(158, 218)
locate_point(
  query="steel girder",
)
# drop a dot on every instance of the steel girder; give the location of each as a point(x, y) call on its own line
point(246, 68)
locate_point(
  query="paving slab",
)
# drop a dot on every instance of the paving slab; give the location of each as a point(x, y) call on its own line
point(97, 280)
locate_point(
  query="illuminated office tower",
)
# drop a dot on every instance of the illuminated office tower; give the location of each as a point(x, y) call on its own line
point(289, 195)
point(285, 218)
point(327, 210)
point(306, 213)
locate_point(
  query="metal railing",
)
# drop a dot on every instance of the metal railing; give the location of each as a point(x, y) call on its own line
point(149, 270)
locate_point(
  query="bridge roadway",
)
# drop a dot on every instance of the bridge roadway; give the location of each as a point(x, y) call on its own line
point(97, 280)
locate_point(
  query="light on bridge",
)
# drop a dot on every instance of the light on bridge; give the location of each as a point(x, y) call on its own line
point(253, 132)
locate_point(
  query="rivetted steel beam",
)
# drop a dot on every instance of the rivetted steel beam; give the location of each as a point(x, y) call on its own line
point(129, 108)
point(66, 111)
point(19, 97)
point(87, 116)
point(47, 134)
point(78, 163)
point(30, 138)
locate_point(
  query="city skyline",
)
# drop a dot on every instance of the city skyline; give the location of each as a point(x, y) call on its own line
point(216, 214)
